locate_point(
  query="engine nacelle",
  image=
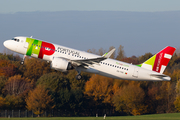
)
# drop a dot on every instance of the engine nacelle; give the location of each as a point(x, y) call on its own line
point(60, 64)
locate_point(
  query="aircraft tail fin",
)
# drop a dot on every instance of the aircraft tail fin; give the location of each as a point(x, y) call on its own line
point(159, 61)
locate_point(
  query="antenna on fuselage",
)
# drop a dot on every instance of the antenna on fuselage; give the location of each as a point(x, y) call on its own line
point(31, 36)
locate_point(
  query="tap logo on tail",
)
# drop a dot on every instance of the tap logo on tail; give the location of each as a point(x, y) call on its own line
point(160, 60)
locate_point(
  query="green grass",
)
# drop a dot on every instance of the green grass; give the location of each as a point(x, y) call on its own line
point(170, 116)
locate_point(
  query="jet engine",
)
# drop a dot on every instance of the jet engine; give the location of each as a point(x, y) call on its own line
point(60, 64)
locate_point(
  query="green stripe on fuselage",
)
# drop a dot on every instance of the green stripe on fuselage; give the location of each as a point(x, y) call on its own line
point(33, 47)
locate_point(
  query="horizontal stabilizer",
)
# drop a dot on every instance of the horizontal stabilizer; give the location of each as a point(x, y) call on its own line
point(161, 76)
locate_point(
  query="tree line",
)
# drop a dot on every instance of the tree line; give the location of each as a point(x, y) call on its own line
point(37, 87)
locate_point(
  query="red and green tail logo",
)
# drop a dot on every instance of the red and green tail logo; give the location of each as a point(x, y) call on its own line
point(160, 60)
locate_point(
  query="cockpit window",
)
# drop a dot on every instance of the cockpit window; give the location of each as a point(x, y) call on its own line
point(15, 39)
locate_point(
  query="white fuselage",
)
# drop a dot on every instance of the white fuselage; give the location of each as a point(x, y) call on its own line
point(108, 67)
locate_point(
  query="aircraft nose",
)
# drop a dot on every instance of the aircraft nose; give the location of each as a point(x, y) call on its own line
point(7, 43)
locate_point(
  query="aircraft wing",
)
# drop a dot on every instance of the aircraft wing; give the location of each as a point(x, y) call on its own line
point(89, 62)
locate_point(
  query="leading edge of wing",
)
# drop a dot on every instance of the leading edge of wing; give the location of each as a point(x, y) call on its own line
point(91, 61)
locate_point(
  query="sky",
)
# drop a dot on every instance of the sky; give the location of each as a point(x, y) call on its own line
point(13, 6)
point(140, 26)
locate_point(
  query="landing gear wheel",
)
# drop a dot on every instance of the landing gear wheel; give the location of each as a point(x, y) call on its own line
point(22, 62)
point(78, 77)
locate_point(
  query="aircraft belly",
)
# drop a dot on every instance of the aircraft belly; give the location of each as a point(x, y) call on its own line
point(91, 70)
point(147, 75)
point(47, 58)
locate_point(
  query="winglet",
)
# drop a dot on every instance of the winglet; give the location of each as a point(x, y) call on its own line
point(107, 55)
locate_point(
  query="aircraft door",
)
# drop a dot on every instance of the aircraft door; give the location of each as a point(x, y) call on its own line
point(26, 44)
point(136, 71)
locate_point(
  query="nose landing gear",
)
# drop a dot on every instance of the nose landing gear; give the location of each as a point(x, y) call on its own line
point(22, 62)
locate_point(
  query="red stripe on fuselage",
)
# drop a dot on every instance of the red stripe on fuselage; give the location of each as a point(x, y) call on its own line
point(46, 49)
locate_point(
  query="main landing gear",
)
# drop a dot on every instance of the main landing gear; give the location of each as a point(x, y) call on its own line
point(78, 76)
point(22, 62)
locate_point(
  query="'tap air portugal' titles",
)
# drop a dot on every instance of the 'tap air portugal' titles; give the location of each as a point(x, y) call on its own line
point(67, 50)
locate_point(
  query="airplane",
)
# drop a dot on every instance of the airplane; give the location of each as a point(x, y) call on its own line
point(63, 59)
